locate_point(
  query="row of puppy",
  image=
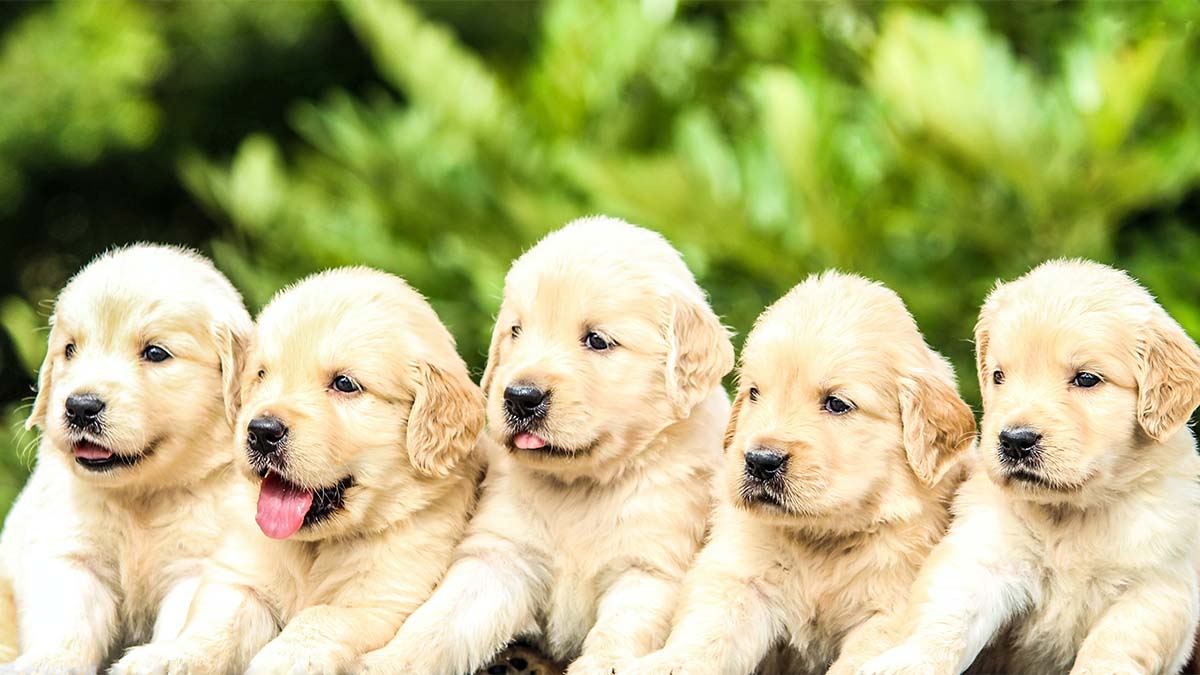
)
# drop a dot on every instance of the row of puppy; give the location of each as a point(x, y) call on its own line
point(327, 491)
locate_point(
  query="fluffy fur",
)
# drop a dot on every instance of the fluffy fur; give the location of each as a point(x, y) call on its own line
point(821, 551)
point(84, 548)
point(406, 445)
point(580, 547)
point(1083, 558)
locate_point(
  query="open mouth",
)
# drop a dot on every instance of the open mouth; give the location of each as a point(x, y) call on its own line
point(1030, 478)
point(284, 507)
point(530, 442)
point(95, 457)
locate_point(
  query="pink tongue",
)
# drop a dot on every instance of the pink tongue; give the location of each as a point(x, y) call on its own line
point(88, 450)
point(528, 441)
point(281, 507)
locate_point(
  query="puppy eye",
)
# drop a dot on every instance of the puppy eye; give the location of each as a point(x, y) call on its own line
point(70, 350)
point(998, 377)
point(753, 393)
point(595, 342)
point(1086, 380)
point(262, 374)
point(516, 330)
point(155, 354)
point(345, 385)
point(837, 406)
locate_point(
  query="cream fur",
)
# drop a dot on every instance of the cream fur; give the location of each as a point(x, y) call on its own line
point(341, 586)
point(1094, 570)
point(98, 561)
point(582, 550)
point(861, 500)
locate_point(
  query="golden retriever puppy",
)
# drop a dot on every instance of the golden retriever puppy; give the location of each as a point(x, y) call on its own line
point(603, 385)
point(357, 437)
point(135, 401)
point(842, 455)
point(1076, 549)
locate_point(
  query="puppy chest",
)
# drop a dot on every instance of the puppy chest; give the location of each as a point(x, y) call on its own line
point(1068, 604)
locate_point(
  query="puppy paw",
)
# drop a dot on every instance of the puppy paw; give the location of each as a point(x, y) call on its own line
point(597, 664)
point(658, 663)
point(152, 659)
point(1106, 668)
point(60, 664)
point(385, 661)
point(285, 659)
point(906, 660)
point(520, 659)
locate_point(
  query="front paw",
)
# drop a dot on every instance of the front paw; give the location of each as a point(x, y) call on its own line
point(1106, 668)
point(597, 664)
point(908, 660)
point(660, 663)
point(279, 658)
point(59, 664)
point(153, 659)
point(384, 662)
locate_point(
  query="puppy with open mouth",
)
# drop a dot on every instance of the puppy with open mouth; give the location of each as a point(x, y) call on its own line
point(844, 448)
point(135, 400)
point(603, 389)
point(358, 439)
point(1076, 549)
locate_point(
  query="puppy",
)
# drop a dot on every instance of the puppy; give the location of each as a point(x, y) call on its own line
point(603, 385)
point(357, 437)
point(135, 401)
point(1076, 549)
point(842, 454)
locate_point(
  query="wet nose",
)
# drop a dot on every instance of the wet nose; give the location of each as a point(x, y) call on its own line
point(265, 433)
point(1018, 443)
point(83, 409)
point(524, 401)
point(764, 463)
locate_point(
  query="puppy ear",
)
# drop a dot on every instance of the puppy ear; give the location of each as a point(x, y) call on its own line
point(938, 425)
point(731, 426)
point(493, 356)
point(981, 347)
point(1169, 378)
point(37, 416)
point(233, 341)
point(699, 355)
point(445, 420)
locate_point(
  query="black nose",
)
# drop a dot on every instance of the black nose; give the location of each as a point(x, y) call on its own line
point(1017, 443)
point(83, 409)
point(764, 463)
point(524, 401)
point(265, 433)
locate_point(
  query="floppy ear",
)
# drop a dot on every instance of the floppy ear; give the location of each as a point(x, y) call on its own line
point(233, 341)
point(445, 420)
point(981, 347)
point(493, 357)
point(938, 425)
point(37, 416)
point(699, 355)
point(731, 426)
point(1169, 379)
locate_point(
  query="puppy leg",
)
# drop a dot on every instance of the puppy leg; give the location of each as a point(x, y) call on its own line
point(1147, 630)
point(484, 602)
point(633, 618)
point(319, 640)
point(726, 625)
point(67, 619)
point(866, 641)
point(226, 626)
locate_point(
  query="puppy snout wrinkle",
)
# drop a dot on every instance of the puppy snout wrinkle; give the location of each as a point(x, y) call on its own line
point(764, 463)
point(264, 434)
point(525, 401)
point(1018, 443)
point(83, 409)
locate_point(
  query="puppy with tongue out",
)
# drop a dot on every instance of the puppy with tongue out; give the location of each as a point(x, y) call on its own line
point(357, 436)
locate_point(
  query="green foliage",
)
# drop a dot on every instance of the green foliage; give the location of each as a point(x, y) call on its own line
point(935, 148)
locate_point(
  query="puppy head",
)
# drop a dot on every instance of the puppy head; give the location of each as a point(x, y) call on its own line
point(356, 406)
point(1080, 368)
point(844, 416)
point(146, 345)
point(603, 339)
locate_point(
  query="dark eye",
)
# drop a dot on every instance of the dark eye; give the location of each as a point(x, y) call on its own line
point(262, 374)
point(595, 342)
point(70, 350)
point(345, 385)
point(998, 376)
point(837, 406)
point(753, 393)
point(1086, 380)
point(155, 354)
point(516, 330)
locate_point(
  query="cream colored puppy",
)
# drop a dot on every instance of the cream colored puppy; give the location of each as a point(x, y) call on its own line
point(1077, 548)
point(357, 437)
point(135, 401)
point(843, 452)
point(603, 385)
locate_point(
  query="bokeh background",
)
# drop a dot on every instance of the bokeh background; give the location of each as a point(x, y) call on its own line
point(933, 147)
